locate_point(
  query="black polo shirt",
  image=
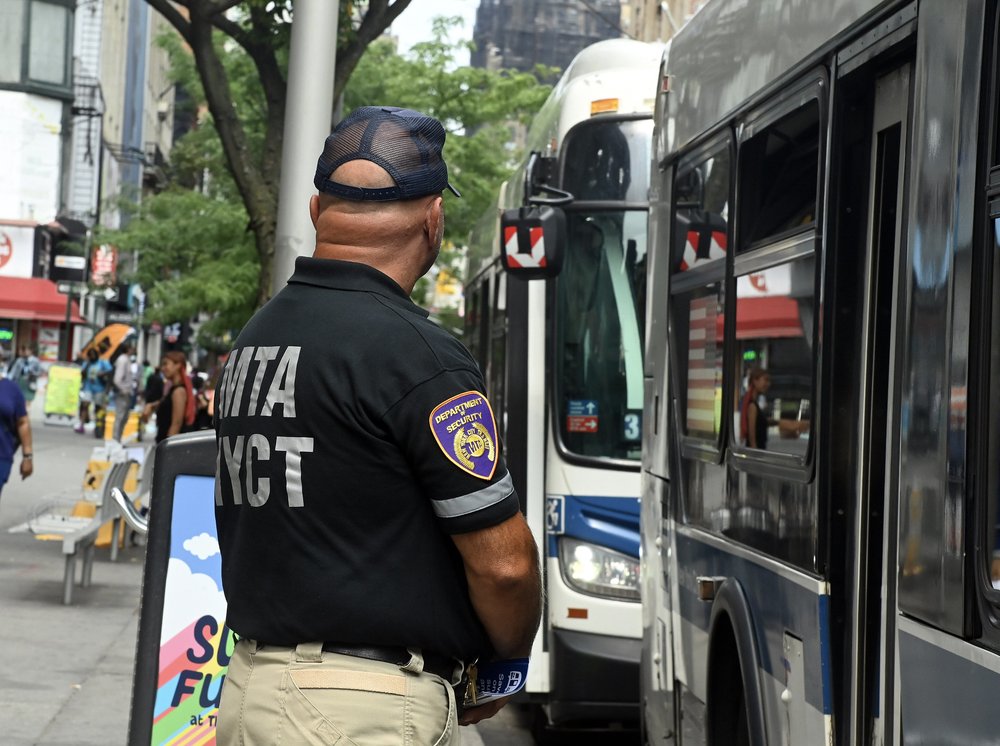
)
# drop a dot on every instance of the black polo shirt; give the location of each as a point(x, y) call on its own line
point(354, 437)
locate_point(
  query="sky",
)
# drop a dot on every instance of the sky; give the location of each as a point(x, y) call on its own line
point(414, 23)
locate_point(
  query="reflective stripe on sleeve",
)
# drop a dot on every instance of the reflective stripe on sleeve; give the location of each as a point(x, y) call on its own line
point(470, 503)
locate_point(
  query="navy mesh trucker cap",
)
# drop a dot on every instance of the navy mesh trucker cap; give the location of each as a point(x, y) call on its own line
point(405, 143)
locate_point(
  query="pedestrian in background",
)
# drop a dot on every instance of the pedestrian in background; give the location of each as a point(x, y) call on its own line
point(25, 370)
point(95, 379)
point(124, 388)
point(753, 418)
point(372, 541)
point(152, 392)
point(176, 409)
point(15, 431)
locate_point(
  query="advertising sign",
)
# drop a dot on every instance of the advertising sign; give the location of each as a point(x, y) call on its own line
point(48, 343)
point(31, 156)
point(67, 266)
point(17, 250)
point(103, 265)
point(183, 649)
point(195, 646)
point(62, 393)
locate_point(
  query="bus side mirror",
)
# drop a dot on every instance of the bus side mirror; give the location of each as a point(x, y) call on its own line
point(532, 241)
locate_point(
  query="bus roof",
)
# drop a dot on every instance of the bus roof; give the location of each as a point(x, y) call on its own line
point(732, 49)
point(620, 69)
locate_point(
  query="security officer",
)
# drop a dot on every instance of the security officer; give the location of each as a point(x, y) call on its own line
point(372, 542)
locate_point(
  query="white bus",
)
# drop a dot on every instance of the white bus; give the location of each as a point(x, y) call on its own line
point(563, 364)
point(825, 261)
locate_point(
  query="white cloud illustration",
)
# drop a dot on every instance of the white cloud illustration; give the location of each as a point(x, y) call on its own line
point(202, 546)
point(187, 597)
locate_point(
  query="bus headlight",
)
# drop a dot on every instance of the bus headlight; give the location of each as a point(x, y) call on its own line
point(599, 571)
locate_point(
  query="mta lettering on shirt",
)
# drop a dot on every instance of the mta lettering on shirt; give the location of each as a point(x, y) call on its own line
point(242, 395)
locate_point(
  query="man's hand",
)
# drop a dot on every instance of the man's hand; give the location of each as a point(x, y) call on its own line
point(27, 467)
point(473, 715)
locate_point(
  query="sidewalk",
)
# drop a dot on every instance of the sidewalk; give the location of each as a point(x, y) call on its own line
point(67, 674)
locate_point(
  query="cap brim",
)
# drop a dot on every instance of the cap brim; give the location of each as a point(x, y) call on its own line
point(454, 191)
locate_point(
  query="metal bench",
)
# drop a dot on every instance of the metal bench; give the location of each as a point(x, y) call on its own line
point(79, 535)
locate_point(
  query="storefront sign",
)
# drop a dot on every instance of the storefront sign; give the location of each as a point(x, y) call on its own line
point(103, 265)
point(48, 344)
point(17, 250)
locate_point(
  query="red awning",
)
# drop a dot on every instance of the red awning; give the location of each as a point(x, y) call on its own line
point(765, 318)
point(35, 299)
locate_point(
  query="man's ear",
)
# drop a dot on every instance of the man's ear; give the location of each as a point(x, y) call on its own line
point(314, 208)
point(434, 217)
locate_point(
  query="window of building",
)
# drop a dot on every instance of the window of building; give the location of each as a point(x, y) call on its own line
point(11, 33)
point(48, 45)
point(35, 44)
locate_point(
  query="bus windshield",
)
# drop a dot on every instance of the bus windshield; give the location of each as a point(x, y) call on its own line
point(602, 292)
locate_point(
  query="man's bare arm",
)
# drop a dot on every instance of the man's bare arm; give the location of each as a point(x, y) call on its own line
point(501, 566)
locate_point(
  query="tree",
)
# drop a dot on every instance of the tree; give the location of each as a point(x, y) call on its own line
point(261, 30)
point(185, 268)
point(479, 107)
point(194, 254)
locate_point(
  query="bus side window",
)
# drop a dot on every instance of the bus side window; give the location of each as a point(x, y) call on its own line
point(700, 240)
point(779, 177)
point(774, 322)
point(775, 279)
point(497, 369)
point(992, 527)
point(476, 317)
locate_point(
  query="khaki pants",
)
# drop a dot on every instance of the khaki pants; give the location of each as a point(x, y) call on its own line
point(305, 696)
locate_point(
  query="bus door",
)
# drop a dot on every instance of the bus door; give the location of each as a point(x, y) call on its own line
point(867, 681)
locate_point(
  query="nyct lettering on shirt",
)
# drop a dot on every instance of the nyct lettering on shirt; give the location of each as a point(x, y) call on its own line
point(237, 399)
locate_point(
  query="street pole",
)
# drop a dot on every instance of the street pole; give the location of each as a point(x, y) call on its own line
point(312, 56)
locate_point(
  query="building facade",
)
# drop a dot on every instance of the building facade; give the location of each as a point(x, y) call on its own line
point(87, 117)
point(656, 20)
point(519, 34)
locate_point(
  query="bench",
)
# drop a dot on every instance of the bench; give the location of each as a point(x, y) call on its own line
point(78, 532)
point(83, 540)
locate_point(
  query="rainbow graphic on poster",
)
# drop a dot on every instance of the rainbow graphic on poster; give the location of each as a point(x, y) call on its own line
point(195, 646)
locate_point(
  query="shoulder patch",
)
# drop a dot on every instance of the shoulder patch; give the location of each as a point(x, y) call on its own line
point(466, 433)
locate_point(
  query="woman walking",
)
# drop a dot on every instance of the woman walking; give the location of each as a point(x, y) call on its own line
point(175, 412)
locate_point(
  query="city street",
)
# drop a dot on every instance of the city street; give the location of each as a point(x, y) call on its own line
point(67, 678)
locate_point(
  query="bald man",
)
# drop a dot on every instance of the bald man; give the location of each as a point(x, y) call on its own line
point(372, 542)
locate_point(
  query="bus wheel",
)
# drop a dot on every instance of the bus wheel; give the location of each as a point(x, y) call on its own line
point(726, 710)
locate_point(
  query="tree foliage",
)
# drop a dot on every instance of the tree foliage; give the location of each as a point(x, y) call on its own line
point(479, 108)
point(259, 32)
point(195, 253)
point(203, 251)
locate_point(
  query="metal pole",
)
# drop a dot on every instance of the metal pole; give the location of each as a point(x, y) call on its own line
point(311, 61)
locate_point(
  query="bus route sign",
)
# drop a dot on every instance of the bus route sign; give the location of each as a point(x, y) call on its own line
point(581, 416)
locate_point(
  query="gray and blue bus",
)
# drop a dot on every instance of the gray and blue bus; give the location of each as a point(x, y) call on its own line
point(562, 358)
point(824, 217)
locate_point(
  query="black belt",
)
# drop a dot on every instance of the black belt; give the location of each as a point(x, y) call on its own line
point(439, 665)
